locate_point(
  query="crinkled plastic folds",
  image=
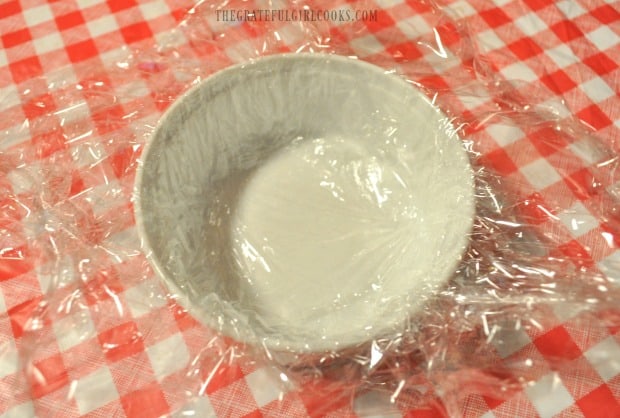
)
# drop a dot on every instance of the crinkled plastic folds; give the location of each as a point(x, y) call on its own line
point(512, 279)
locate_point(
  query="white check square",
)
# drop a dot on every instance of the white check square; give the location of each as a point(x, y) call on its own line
point(9, 95)
point(95, 390)
point(35, 15)
point(168, 356)
point(9, 359)
point(473, 101)
point(549, 396)
point(264, 385)
point(540, 174)
point(414, 27)
point(83, 4)
point(25, 179)
point(509, 340)
point(101, 26)
point(555, 106)
point(3, 59)
point(505, 134)
point(198, 407)
point(154, 9)
point(59, 274)
point(578, 220)
point(460, 9)
point(48, 43)
point(597, 89)
point(519, 71)
point(87, 154)
point(145, 297)
point(384, 4)
point(570, 8)
point(74, 329)
point(590, 151)
point(562, 55)
point(603, 38)
point(605, 358)
point(375, 405)
point(610, 265)
point(170, 39)
point(62, 78)
point(23, 410)
point(240, 51)
point(489, 41)
point(530, 24)
point(366, 45)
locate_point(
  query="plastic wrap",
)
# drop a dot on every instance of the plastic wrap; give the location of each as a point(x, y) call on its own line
point(327, 214)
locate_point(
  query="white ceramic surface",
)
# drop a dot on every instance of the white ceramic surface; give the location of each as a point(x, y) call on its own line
point(304, 202)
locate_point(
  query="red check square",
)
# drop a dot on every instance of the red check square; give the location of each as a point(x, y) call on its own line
point(383, 21)
point(582, 183)
point(25, 69)
point(434, 82)
point(39, 106)
point(495, 17)
point(136, 32)
point(600, 63)
point(10, 8)
point(77, 184)
point(20, 315)
point(322, 396)
point(558, 344)
point(448, 33)
point(82, 51)
point(222, 376)
point(606, 14)
point(123, 161)
point(105, 282)
point(548, 141)
point(534, 209)
point(575, 252)
point(525, 49)
point(48, 143)
point(14, 262)
point(404, 52)
point(122, 341)
point(594, 117)
point(109, 119)
point(612, 228)
point(180, 14)
point(148, 402)
point(436, 412)
point(18, 37)
point(600, 403)
point(558, 82)
point(499, 161)
point(418, 6)
point(183, 319)
point(69, 20)
point(118, 5)
point(538, 4)
point(492, 402)
point(566, 31)
point(48, 375)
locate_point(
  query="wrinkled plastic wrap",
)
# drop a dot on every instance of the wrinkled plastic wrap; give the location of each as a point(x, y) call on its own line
point(321, 217)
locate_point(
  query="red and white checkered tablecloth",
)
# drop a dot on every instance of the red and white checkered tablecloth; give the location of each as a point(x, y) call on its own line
point(81, 86)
